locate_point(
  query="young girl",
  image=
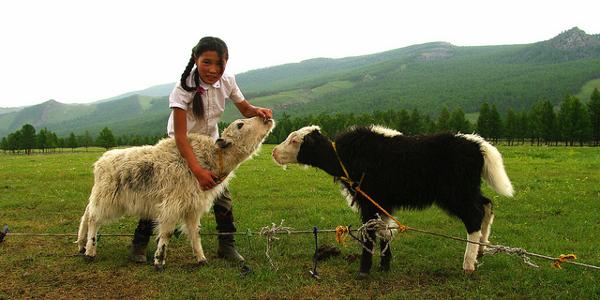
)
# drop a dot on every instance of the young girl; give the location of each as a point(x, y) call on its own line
point(197, 103)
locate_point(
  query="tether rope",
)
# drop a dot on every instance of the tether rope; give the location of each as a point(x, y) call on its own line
point(270, 231)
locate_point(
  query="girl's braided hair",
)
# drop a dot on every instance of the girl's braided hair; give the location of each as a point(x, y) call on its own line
point(207, 43)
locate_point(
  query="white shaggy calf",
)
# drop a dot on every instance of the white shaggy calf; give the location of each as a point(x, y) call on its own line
point(154, 182)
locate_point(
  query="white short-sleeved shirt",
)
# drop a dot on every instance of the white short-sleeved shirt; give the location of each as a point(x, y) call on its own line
point(214, 104)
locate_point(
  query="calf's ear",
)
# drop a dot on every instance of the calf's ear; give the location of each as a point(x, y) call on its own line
point(222, 143)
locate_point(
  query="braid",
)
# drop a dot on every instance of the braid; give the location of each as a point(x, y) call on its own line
point(186, 73)
point(197, 106)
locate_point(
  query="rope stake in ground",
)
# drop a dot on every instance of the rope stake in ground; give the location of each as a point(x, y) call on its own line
point(314, 272)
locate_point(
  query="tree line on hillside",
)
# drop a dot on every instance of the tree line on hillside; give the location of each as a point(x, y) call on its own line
point(573, 123)
point(25, 140)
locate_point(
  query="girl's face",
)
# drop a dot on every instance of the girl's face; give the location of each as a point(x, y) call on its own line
point(210, 66)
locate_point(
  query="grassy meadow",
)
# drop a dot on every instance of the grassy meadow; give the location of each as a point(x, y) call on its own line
point(556, 210)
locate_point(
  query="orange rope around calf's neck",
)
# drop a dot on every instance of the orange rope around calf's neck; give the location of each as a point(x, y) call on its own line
point(401, 227)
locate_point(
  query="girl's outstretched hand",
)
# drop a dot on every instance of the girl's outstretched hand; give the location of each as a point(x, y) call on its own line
point(264, 113)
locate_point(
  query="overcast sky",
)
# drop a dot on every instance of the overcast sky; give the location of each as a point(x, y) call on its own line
point(83, 51)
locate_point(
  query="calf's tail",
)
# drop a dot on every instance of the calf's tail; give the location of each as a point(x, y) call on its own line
point(493, 170)
point(493, 167)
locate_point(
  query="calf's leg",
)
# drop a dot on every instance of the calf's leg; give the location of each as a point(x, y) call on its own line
point(82, 233)
point(386, 255)
point(471, 252)
point(366, 259)
point(384, 245)
point(486, 224)
point(191, 222)
point(472, 217)
point(165, 231)
point(92, 231)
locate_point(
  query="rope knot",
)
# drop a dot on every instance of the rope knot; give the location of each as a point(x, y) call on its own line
point(270, 233)
point(381, 229)
point(494, 249)
point(341, 233)
point(561, 259)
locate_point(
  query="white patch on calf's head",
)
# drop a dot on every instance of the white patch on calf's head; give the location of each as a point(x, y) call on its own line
point(287, 151)
point(388, 132)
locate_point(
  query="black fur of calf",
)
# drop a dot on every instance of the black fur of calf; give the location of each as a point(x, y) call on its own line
point(411, 172)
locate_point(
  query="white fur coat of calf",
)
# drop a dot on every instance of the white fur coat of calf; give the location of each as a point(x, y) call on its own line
point(154, 182)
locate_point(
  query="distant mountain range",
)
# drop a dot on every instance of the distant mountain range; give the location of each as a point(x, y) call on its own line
point(426, 76)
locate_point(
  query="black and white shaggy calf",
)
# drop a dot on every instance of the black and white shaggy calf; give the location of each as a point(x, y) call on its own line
point(410, 172)
point(154, 182)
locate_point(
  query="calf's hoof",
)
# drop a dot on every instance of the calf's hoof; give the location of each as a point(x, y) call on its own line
point(81, 252)
point(245, 270)
point(159, 267)
point(88, 258)
point(362, 276)
point(202, 263)
point(469, 266)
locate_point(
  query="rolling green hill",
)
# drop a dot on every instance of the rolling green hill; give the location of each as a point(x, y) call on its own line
point(431, 75)
point(130, 115)
point(426, 76)
point(153, 91)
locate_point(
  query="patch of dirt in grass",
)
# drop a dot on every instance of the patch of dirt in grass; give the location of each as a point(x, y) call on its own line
point(80, 285)
point(46, 269)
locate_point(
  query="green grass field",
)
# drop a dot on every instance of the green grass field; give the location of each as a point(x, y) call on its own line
point(556, 210)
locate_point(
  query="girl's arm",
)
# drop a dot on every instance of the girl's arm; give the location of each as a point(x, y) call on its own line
point(205, 178)
point(248, 110)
